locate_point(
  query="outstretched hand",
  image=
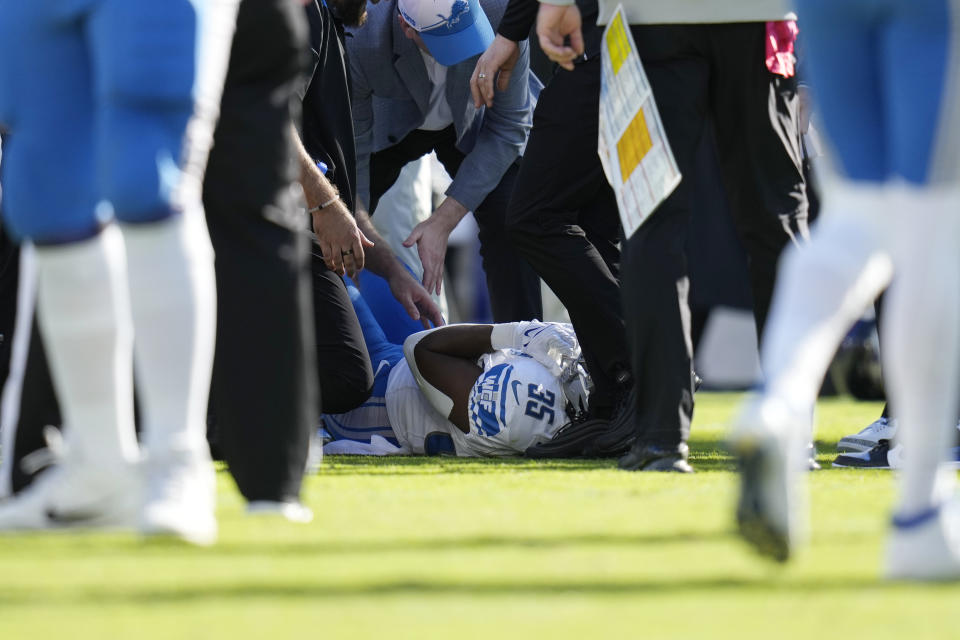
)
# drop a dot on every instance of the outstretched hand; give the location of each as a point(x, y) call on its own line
point(431, 236)
point(415, 299)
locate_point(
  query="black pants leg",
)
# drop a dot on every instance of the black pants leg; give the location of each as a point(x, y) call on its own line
point(264, 382)
point(513, 285)
point(9, 274)
point(655, 281)
point(756, 117)
point(563, 219)
point(696, 71)
point(343, 363)
point(38, 408)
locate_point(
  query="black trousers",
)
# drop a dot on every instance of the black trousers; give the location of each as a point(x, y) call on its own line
point(343, 363)
point(563, 219)
point(9, 275)
point(264, 392)
point(699, 72)
point(513, 285)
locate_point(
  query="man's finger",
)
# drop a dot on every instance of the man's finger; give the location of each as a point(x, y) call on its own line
point(428, 277)
point(350, 265)
point(359, 258)
point(336, 260)
point(475, 90)
point(414, 237)
point(488, 92)
point(327, 252)
point(411, 308)
point(560, 54)
point(367, 242)
point(438, 277)
point(576, 41)
point(430, 311)
point(435, 316)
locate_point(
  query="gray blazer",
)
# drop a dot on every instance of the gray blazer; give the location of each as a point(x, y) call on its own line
point(391, 90)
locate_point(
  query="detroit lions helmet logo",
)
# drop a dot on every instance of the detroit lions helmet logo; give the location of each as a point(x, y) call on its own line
point(488, 400)
point(458, 10)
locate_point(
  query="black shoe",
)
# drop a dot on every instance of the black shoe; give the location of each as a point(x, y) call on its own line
point(646, 456)
point(875, 458)
point(622, 431)
point(570, 441)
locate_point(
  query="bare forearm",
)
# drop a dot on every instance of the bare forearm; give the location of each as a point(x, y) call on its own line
point(467, 341)
point(380, 257)
point(316, 188)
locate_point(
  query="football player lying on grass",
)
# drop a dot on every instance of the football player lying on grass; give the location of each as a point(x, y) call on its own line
point(466, 390)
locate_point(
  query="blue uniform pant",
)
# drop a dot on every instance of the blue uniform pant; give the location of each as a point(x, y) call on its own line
point(881, 72)
point(97, 95)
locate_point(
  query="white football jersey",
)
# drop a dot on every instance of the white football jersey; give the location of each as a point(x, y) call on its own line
point(514, 404)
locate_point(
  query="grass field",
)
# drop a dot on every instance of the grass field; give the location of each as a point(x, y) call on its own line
point(415, 548)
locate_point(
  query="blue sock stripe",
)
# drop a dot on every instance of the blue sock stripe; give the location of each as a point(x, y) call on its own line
point(909, 522)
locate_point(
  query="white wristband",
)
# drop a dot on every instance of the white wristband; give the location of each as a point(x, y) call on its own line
point(504, 336)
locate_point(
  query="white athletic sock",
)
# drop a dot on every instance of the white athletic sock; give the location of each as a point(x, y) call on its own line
point(822, 289)
point(84, 313)
point(173, 291)
point(921, 340)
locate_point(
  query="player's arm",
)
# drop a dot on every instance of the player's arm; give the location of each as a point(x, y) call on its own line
point(444, 364)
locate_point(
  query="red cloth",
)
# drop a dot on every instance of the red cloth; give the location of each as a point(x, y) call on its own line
point(781, 37)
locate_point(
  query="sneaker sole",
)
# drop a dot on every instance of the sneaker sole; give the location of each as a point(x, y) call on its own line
point(841, 465)
point(767, 539)
point(855, 445)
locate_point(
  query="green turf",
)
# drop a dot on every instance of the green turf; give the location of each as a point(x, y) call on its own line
point(413, 548)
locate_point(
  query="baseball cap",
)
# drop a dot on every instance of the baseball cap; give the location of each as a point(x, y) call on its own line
point(453, 30)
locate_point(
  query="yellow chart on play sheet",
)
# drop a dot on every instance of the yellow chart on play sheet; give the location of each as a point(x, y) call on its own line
point(633, 145)
point(633, 148)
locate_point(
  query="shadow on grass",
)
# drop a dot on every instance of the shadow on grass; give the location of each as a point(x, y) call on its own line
point(418, 465)
point(468, 543)
point(100, 595)
point(706, 454)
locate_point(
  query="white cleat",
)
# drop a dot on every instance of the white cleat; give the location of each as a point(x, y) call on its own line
point(69, 496)
point(180, 497)
point(926, 546)
point(290, 511)
point(868, 437)
point(771, 509)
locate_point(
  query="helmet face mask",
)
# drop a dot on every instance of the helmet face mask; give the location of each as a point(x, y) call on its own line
point(577, 385)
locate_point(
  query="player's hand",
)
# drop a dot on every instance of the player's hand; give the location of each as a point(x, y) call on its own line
point(431, 236)
point(548, 343)
point(415, 299)
point(554, 24)
point(495, 65)
point(341, 242)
